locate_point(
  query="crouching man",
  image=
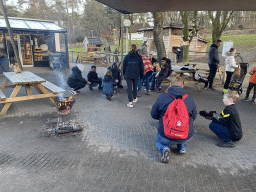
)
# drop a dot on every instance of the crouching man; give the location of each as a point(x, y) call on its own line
point(182, 111)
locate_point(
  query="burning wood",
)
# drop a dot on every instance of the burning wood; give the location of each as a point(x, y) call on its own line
point(64, 105)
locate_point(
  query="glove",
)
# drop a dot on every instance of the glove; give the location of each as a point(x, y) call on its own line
point(202, 113)
point(211, 113)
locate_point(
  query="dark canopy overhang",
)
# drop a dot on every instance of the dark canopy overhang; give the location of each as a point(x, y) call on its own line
point(140, 6)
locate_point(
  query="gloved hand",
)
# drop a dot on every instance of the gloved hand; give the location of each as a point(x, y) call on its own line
point(211, 113)
point(202, 113)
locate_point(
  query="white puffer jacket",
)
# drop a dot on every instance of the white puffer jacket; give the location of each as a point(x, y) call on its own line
point(230, 62)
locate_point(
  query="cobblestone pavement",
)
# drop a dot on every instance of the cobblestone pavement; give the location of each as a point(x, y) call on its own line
point(116, 150)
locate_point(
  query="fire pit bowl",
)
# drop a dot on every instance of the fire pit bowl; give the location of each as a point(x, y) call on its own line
point(64, 104)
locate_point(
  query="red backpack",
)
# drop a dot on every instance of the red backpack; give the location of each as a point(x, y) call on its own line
point(176, 119)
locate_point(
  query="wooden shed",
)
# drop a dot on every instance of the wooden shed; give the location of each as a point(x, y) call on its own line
point(172, 39)
point(92, 44)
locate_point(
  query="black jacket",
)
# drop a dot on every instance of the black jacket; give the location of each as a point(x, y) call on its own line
point(92, 76)
point(160, 106)
point(213, 55)
point(116, 73)
point(230, 119)
point(133, 66)
point(75, 76)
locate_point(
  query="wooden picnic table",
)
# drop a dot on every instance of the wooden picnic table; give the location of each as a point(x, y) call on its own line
point(177, 71)
point(26, 79)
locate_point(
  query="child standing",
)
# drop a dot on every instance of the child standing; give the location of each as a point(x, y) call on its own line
point(163, 74)
point(252, 84)
point(227, 125)
point(108, 85)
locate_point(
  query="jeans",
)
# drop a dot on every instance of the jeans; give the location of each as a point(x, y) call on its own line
point(153, 80)
point(163, 143)
point(99, 83)
point(220, 130)
point(146, 77)
point(229, 75)
point(249, 88)
point(213, 70)
point(132, 85)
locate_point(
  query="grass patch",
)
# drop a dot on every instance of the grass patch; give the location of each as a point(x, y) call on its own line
point(242, 42)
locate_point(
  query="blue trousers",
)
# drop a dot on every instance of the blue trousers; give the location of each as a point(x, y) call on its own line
point(95, 84)
point(221, 131)
point(163, 143)
point(146, 77)
point(153, 80)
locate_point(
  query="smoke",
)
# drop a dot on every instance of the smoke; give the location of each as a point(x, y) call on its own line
point(60, 76)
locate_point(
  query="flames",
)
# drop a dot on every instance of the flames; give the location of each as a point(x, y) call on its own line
point(64, 104)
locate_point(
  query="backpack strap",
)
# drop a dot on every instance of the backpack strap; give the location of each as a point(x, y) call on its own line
point(183, 97)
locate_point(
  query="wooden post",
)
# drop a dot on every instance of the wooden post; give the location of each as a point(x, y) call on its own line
point(122, 44)
point(10, 33)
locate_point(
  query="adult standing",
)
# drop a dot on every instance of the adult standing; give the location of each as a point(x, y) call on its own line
point(132, 70)
point(213, 63)
point(144, 48)
point(230, 67)
point(158, 111)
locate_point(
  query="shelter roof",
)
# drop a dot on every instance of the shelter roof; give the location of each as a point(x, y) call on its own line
point(95, 41)
point(140, 6)
point(31, 25)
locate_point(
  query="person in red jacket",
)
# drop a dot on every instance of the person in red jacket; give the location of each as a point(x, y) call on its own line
point(252, 84)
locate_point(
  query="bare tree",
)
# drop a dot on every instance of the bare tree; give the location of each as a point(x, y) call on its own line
point(219, 23)
point(187, 33)
point(158, 35)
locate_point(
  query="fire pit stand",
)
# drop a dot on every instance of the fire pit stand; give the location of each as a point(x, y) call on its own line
point(64, 106)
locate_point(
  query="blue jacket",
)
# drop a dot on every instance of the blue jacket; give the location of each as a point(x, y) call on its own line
point(133, 66)
point(75, 76)
point(160, 106)
point(108, 85)
point(213, 55)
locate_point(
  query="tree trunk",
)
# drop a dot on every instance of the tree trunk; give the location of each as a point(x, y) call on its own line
point(158, 35)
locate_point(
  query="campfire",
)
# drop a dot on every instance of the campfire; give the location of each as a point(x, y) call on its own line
point(64, 104)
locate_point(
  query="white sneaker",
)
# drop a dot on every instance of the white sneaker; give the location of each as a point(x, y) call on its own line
point(73, 92)
point(129, 105)
point(135, 100)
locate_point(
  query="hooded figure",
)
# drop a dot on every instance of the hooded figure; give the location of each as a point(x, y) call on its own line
point(76, 80)
point(116, 74)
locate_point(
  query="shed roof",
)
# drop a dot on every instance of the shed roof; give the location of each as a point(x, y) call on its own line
point(95, 41)
point(31, 25)
point(172, 25)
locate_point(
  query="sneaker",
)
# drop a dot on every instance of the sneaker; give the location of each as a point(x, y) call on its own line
point(254, 102)
point(152, 89)
point(129, 105)
point(109, 98)
point(78, 91)
point(146, 93)
point(166, 156)
point(245, 99)
point(91, 88)
point(182, 148)
point(138, 94)
point(73, 92)
point(159, 91)
point(226, 144)
point(135, 100)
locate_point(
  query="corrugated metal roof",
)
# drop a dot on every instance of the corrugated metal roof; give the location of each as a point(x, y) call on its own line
point(20, 24)
point(94, 41)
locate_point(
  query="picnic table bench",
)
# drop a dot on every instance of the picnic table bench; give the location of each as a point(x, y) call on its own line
point(27, 80)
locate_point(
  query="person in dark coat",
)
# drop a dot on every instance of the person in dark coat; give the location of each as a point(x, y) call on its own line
point(94, 79)
point(213, 63)
point(158, 110)
point(116, 74)
point(163, 74)
point(108, 85)
point(169, 62)
point(133, 69)
point(76, 81)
